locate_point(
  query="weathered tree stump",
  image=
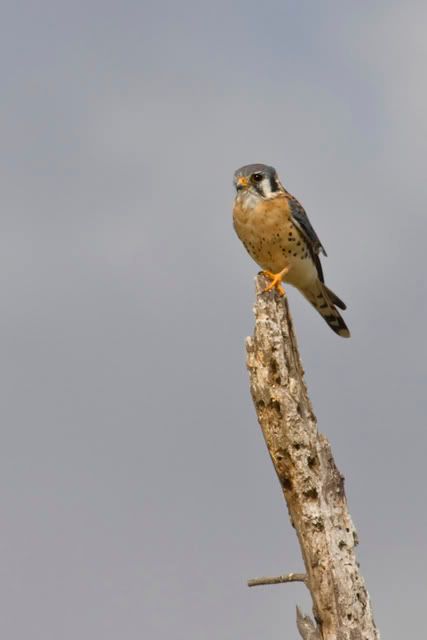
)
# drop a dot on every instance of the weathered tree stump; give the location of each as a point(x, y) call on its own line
point(312, 485)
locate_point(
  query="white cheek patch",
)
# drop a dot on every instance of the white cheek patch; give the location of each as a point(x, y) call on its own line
point(266, 188)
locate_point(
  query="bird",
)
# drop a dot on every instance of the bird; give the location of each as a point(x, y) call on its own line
point(276, 232)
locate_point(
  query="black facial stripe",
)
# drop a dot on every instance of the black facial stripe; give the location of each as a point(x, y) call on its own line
point(274, 185)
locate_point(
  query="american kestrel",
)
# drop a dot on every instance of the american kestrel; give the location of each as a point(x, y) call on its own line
point(277, 234)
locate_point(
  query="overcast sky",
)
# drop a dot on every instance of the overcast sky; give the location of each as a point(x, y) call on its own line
point(136, 493)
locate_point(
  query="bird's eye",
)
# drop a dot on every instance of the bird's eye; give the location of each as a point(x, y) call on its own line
point(257, 177)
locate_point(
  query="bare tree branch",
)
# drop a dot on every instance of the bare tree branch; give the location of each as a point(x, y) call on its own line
point(290, 577)
point(312, 485)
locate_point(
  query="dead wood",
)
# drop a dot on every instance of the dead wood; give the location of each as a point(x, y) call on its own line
point(312, 485)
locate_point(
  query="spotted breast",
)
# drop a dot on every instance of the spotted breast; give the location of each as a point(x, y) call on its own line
point(272, 239)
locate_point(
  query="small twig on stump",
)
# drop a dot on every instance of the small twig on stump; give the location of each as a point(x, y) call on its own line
point(306, 627)
point(291, 577)
point(312, 485)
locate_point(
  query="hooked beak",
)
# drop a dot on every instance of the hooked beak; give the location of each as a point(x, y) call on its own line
point(241, 182)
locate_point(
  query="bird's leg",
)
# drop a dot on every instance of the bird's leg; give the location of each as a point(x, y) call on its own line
point(276, 281)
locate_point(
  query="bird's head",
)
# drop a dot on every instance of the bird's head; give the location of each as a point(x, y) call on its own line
point(257, 181)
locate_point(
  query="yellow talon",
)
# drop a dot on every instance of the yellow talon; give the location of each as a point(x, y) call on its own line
point(276, 281)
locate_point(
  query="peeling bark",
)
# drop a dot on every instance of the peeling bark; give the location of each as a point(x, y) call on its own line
point(312, 485)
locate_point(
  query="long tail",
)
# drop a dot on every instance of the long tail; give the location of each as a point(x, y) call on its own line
point(325, 301)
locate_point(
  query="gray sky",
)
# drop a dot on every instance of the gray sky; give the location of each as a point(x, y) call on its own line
point(136, 493)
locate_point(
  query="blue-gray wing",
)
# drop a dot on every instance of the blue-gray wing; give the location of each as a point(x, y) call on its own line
point(301, 220)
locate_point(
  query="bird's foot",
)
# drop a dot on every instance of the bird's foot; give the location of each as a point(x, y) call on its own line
point(276, 281)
